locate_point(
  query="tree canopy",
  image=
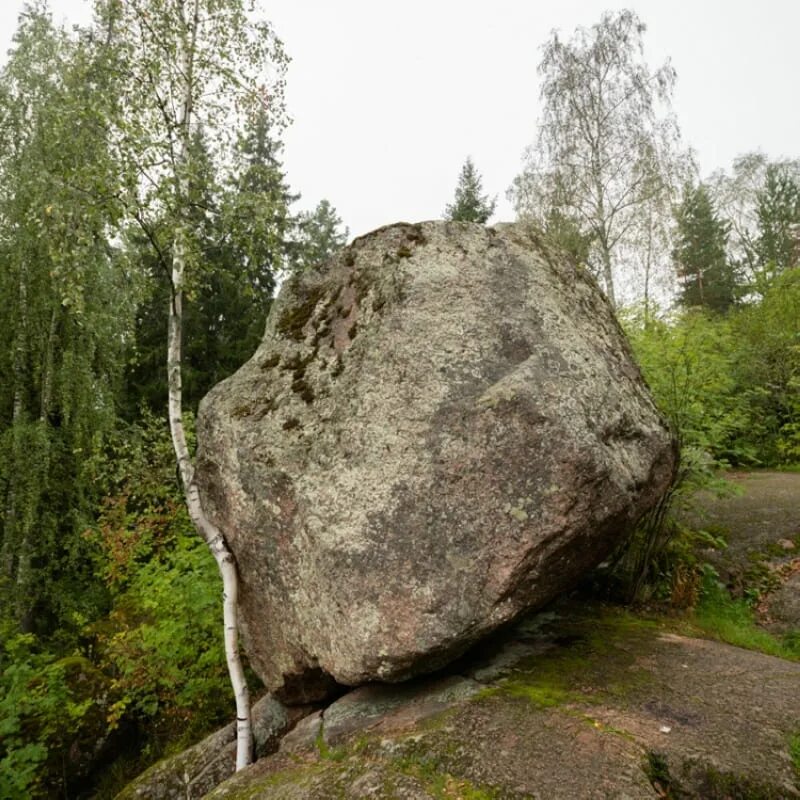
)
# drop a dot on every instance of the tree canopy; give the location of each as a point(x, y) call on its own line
point(607, 144)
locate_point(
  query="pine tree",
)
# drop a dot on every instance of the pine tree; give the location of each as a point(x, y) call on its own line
point(700, 255)
point(470, 204)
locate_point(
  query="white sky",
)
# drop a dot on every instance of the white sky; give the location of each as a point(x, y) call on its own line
point(389, 98)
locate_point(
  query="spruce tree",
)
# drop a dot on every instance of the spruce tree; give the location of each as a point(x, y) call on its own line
point(320, 236)
point(777, 246)
point(244, 234)
point(470, 204)
point(706, 275)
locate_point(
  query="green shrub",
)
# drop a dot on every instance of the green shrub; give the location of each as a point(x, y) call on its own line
point(51, 717)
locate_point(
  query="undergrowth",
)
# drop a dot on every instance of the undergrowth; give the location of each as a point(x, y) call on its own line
point(733, 621)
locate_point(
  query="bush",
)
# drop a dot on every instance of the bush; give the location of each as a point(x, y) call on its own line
point(162, 641)
point(52, 719)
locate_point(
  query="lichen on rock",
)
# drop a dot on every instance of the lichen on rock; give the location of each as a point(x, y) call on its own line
point(442, 429)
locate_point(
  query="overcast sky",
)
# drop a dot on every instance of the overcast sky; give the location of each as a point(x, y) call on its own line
point(389, 98)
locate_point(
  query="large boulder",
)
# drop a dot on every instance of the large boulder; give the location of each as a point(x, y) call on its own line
point(442, 428)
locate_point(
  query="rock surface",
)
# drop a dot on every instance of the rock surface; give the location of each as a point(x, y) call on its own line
point(593, 703)
point(441, 429)
point(194, 772)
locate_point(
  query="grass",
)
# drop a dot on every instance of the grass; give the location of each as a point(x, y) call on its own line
point(328, 753)
point(544, 696)
point(794, 752)
point(786, 468)
point(720, 616)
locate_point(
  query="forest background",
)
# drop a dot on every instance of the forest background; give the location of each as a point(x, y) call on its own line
point(109, 602)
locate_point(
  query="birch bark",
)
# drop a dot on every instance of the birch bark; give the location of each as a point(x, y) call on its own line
point(208, 531)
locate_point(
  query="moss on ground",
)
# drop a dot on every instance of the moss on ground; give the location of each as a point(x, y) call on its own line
point(598, 664)
point(794, 753)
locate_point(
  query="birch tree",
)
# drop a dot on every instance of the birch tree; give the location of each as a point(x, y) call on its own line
point(186, 65)
point(605, 137)
point(64, 317)
point(740, 197)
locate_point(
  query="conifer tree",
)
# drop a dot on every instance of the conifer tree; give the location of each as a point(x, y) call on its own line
point(777, 245)
point(320, 236)
point(700, 254)
point(470, 204)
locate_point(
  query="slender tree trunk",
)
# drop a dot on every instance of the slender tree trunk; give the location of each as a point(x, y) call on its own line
point(605, 251)
point(47, 368)
point(608, 275)
point(208, 531)
point(648, 266)
point(10, 517)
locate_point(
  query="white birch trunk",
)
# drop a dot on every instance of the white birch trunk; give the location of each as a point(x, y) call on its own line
point(608, 273)
point(208, 531)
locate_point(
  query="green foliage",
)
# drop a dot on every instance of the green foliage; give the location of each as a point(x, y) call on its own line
point(320, 236)
point(767, 369)
point(46, 708)
point(659, 561)
point(794, 752)
point(732, 621)
point(161, 642)
point(470, 204)
point(700, 253)
point(62, 339)
point(566, 234)
point(689, 366)
point(777, 244)
point(240, 232)
point(730, 386)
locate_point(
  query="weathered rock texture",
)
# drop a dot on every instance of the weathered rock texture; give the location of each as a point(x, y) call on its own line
point(442, 428)
point(593, 704)
point(194, 772)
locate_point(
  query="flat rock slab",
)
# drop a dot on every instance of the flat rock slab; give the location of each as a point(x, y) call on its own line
point(616, 707)
point(441, 429)
point(387, 708)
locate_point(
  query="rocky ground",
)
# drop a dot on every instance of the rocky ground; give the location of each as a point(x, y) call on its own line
point(586, 702)
point(582, 701)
